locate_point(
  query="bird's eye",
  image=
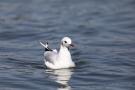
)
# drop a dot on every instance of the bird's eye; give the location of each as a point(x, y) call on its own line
point(65, 41)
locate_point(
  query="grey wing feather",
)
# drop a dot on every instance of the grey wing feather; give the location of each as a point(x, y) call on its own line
point(51, 56)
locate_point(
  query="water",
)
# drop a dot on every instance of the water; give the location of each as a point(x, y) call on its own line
point(103, 32)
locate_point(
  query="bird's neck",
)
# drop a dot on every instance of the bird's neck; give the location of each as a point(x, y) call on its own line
point(64, 54)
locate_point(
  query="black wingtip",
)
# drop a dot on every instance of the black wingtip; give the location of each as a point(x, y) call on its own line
point(47, 49)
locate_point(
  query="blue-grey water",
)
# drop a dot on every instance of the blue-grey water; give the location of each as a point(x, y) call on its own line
point(103, 32)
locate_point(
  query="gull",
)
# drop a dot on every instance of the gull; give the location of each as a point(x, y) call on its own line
point(61, 59)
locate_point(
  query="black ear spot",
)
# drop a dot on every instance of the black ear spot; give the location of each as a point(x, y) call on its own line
point(65, 41)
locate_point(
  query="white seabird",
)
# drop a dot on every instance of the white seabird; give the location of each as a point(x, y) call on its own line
point(61, 59)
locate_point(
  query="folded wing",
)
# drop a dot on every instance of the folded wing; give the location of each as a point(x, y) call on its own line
point(50, 55)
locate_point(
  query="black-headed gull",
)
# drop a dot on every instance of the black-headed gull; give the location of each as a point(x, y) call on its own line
point(61, 59)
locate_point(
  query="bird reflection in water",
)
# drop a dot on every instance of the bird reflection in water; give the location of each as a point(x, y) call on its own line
point(62, 77)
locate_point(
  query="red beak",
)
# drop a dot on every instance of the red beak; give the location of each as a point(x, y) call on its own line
point(72, 45)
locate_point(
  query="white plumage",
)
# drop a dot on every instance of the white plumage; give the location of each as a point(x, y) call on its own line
point(61, 59)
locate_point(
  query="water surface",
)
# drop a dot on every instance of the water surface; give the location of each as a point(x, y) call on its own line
point(103, 32)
